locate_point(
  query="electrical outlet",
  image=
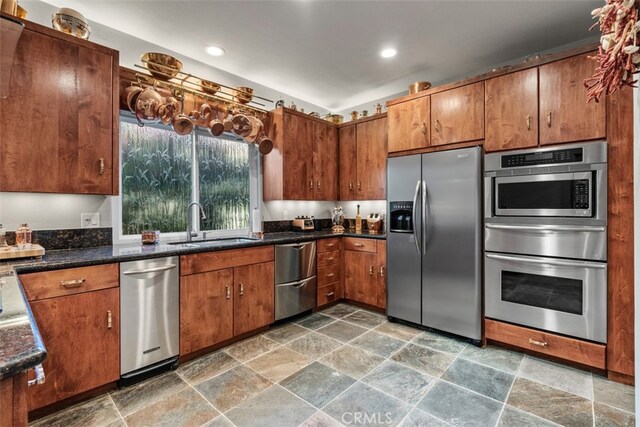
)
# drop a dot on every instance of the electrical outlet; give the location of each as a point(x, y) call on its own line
point(285, 215)
point(89, 220)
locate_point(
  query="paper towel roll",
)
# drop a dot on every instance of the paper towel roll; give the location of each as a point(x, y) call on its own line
point(256, 221)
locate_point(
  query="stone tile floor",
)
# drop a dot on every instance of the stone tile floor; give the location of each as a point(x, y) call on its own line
point(347, 366)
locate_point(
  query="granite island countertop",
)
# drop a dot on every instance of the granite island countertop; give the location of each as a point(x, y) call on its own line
point(21, 345)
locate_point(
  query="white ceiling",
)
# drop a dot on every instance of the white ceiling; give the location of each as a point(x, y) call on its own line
point(326, 52)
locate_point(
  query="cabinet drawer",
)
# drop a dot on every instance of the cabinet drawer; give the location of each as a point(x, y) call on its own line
point(328, 274)
point(69, 281)
point(328, 258)
point(361, 245)
point(327, 294)
point(328, 245)
point(574, 350)
point(211, 261)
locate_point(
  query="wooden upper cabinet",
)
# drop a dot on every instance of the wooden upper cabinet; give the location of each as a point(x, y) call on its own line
point(83, 348)
point(325, 163)
point(511, 106)
point(254, 287)
point(348, 162)
point(59, 124)
point(371, 137)
point(565, 115)
point(457, 115)
point(298, 173)
point(409, 124)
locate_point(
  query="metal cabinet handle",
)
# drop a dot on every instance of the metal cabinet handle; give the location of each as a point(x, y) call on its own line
point(350, 186)
point(359, 186)
point(150, 270)
point(330, 294)
point(101, 166)
point(382, 271)
point(76, 283)
point(371, 270)
point(109, 320)
point(241, 288)
point(330, 259)
point(318, 185)
point(311, 184)
point(228, 296)
point(358, 245)
point(549, 119)
point(437, 126)
point(538, 343)
point(330, 274)
point(546, 261)
point(330, 245)
point(423, 128)
point(528, 122)
point(39, 379)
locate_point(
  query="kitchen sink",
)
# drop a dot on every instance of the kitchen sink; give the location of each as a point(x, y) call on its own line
point(220, 240)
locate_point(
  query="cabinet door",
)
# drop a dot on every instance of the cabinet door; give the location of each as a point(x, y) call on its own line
point(348, 163)
point(457, 115)
point(206, 309)
point(409, 124)
point(254, 299)
point(298, 158)
point(371, 168)
point(565, 115)
point(325, 161)
point(57, 123)
point(83, 347)
point(511, 104)
point(360, 277)
point(381, 252)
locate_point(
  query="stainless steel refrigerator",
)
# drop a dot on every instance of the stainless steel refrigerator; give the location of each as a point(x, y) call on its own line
point(434, 246)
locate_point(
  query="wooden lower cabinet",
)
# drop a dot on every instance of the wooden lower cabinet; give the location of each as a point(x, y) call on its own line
point(570, 349)
point(13, 401)
point(253, 301)
point(329, 271)
point(206, 309)
point(81, 333)
point(364, 271)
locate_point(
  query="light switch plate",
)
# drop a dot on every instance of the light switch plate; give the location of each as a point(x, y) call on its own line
point(90, 220)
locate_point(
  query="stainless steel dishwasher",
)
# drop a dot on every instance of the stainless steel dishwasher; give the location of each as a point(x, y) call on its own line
point(149, 312)
point(295, 266)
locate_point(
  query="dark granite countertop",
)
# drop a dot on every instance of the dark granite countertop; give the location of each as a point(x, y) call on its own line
point(21, 346)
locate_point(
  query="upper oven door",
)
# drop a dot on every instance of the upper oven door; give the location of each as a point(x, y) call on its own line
point(553, 195)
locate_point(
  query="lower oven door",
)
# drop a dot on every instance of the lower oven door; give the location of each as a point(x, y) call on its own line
point(564, 296)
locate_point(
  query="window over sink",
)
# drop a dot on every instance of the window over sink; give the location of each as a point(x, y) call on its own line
point(162, 172)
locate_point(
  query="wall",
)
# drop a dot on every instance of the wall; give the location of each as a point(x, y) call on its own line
point(289, 209)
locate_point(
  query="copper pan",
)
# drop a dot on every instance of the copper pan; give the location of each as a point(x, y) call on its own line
point(182, 124)
point(265, 144)
point(241, 125)
point(256, 128)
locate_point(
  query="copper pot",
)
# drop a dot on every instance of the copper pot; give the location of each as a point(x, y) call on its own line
point(147, 104)
point(418, 87)
point(241, 125)
point(228, 124)
point(216, 127)
point(182, 124)
point(131, 96)
point(205, 111)
point(256, 129)
point(165, 113)
point(265, 144)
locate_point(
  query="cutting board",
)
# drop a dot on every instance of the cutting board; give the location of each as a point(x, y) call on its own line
point(13, 252)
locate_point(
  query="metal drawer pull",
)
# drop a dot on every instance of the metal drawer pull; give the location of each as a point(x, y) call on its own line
point(371, 270)
point(311, 184)
point(150, 270)
point(577, 264)
point(423, 128)
point(101, 166)
point(330, 259)
point(39, 379)
point(437, 126)
point(330, 294)
point(549, 119)
point(382, 271)
point(76, 283)
point(358, 245)
point(330, 275)
point(228, 295)
point(109, 320)
point(300, 285)
point(544, 228)
point(330, 245)
point(241, 288)
point(528, 122)
point(538, 343)
point(318, 185)
point(359, 186)
point(350, 186)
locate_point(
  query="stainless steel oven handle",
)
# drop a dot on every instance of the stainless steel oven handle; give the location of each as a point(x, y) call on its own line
point(425, 217)
point(413, 215)
point(544, 227)
point(580, 264)
point(150, 270)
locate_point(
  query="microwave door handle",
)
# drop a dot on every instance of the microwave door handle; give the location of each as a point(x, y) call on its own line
point(544, 227)
point(581, 264)
point(425, 217)
point(413, 215)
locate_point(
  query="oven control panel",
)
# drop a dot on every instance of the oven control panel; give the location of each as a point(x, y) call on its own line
point(581, 194)
point(571, 155)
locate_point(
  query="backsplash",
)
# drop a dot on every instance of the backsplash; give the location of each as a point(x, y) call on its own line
point(73, 238)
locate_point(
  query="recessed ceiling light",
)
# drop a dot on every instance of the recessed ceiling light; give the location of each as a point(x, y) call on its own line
point(388, 53)
point(215, 51)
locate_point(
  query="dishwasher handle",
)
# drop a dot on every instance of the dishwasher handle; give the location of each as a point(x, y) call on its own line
point(151, 270)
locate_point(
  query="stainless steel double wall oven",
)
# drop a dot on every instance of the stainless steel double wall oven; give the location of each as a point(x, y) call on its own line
point(546, 239)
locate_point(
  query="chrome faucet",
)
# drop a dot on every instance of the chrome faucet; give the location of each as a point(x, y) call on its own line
point(190, 231)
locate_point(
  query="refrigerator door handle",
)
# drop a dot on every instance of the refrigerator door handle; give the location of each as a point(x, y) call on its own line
point(413, 215)
point(425, 217)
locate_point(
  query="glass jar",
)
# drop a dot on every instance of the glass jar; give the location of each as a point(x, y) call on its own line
point(23, 236)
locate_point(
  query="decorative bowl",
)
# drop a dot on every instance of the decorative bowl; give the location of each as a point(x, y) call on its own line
point(243, 94)
point(209, 87)
point(160, 65)
point(71, 22)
